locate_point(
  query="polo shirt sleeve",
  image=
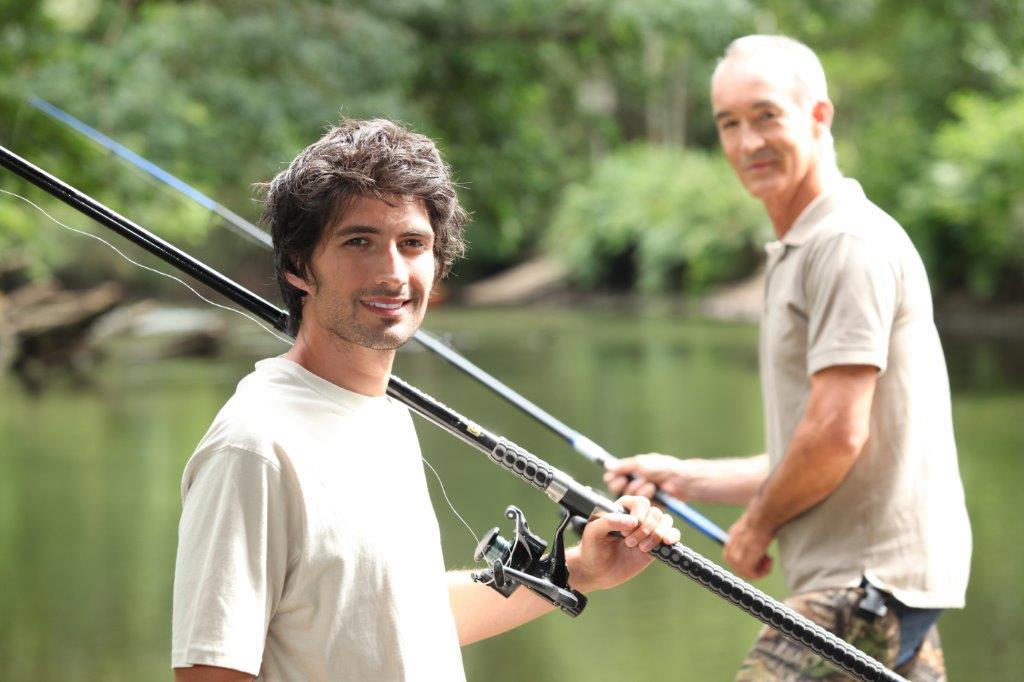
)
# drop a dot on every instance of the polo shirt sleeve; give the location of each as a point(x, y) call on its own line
point(851, 301)
point(231, 562)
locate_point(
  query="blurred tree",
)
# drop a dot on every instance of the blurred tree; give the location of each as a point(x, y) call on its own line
point(969, 208)
point(658, 219)
point(526, 98)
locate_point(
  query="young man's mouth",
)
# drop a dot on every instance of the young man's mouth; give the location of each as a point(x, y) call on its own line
point(386, 307)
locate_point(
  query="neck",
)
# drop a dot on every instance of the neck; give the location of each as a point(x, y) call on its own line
point(785, 209)
point(356, 368)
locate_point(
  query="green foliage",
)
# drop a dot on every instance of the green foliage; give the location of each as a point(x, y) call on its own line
point(970, 206)
point(683, 217)
point(221, 95)
point(525, 97)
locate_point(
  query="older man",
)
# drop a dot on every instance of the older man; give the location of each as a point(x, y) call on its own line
point(860, 482)
point(291, 565)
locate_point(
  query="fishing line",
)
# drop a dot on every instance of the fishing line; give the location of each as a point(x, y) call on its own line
point(270, 331)
point(446, 499)
point(153, 270)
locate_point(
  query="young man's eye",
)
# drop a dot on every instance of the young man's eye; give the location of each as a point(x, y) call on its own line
point(356, 241)
point(415, 243)
point(725, 125)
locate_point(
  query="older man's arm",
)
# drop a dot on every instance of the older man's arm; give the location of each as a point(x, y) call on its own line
point(734, 480)
point(825, 445)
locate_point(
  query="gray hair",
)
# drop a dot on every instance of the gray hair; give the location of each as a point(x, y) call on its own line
point(806, 67)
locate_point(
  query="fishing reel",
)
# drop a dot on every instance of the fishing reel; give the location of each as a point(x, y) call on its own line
point(522, 562)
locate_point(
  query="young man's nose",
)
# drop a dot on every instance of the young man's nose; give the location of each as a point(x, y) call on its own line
point(392, 266)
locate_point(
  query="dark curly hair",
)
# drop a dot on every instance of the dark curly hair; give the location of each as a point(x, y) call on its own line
point(369, 158)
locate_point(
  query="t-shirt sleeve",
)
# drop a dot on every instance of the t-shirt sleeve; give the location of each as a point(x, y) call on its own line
point(231, 563)
point(851, 296)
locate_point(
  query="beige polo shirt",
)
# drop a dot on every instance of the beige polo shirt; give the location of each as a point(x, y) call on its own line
point(845, 286)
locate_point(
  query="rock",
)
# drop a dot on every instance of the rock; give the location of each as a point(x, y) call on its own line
point(159, 331)
point(44, 330)
point(524, 283)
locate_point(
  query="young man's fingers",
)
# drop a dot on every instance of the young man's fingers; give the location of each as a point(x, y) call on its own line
point(649, 522)
point(649, 517)
point(663, 533)
point(613, 523)
point(637, 506)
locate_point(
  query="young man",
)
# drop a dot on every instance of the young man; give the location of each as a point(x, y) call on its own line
point(308, 549)
point(860, 482)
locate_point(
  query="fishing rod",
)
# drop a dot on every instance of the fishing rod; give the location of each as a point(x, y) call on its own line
point(508, 569)
point(235, 221)
point(580, 443)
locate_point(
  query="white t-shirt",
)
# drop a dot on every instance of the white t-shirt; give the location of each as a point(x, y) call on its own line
point(845, 286)
point(308, 548)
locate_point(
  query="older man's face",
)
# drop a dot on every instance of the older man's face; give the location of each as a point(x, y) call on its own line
point(767, 132)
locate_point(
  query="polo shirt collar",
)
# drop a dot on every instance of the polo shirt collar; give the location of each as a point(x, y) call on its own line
point(823, 204)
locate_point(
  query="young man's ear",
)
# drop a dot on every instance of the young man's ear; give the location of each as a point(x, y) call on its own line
point(296, 281)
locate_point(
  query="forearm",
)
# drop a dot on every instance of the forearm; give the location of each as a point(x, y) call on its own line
point(724, 481)
point(823, 448)
point(813, 467)
point(614, 548)
point(480, 612)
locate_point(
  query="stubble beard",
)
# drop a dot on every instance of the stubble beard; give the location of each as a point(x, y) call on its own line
point(379, 334)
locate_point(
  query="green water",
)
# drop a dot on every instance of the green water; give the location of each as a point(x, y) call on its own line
point(89, 494)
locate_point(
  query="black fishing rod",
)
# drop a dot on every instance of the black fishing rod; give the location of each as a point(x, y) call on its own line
point(573, 497)
point(580, 443)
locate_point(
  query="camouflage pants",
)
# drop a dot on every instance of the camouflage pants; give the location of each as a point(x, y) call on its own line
point(773, 657)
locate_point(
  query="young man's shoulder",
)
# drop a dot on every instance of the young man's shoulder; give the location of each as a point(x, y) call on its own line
point(284, 416)
point(263, 402)
point(269, 405)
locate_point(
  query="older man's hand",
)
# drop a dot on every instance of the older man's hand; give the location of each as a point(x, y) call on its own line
point(746, 552)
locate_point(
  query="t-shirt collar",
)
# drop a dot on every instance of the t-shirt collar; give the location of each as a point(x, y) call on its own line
point(341, 396)
point(823, 204)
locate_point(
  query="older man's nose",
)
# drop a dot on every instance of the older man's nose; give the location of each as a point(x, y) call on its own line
point(751, 141)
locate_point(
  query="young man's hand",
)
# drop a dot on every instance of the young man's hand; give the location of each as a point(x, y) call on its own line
point(602, 560)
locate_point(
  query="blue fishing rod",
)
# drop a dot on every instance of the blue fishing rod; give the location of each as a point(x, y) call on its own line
point(579, 442)
point(516, 563)
point(233, 220)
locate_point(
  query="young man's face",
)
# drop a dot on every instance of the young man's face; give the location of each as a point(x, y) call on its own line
point(768, 135)
point(374, 270)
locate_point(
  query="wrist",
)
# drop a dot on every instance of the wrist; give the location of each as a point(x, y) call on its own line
point(756, 520)
point(692, 479)
point(578, 579)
